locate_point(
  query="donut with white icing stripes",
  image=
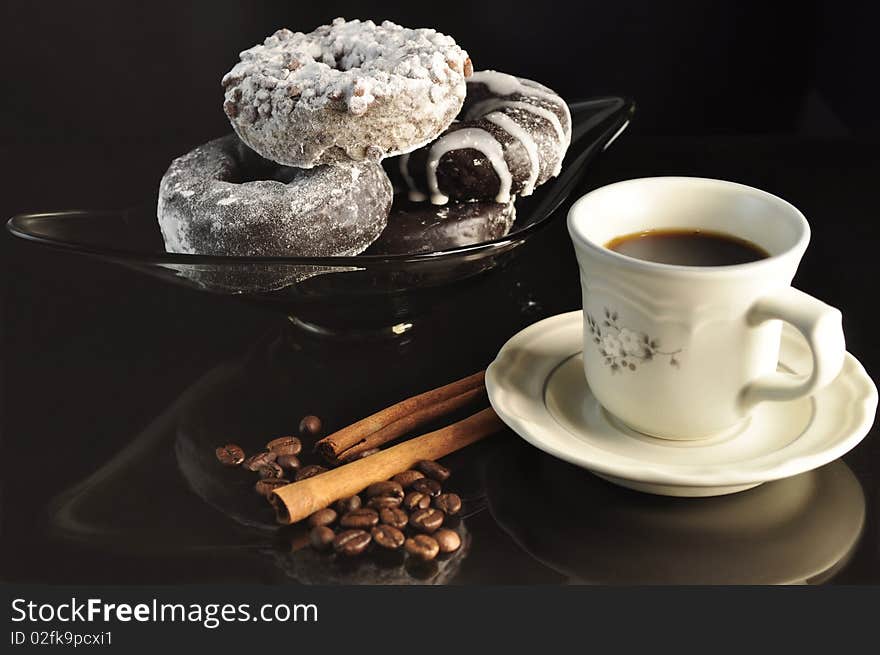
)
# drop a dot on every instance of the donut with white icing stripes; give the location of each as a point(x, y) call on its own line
point(512, 136)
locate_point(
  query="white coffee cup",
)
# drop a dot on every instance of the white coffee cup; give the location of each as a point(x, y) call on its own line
point(687, 352)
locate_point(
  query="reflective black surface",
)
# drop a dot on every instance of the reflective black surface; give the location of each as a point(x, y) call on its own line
point(362, 293)
point(115, 384)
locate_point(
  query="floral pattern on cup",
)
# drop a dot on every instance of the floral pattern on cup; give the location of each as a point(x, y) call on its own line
point(623, 348)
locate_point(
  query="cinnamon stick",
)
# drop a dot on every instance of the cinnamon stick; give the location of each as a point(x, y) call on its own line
point(410, 422)
point(332, 446)
point(296, 501)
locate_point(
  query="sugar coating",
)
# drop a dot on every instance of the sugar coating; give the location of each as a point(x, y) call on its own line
point(352, 90)
point(223, 199)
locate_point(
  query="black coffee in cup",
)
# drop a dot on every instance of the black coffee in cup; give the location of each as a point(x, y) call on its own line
point(687, 247)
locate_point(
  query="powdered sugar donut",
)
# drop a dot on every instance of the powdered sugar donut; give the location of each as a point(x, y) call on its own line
point(348, 91)
point(223, 199)
point(513, 136)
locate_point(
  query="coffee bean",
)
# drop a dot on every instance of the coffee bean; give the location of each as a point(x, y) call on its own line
point(270, 470)
point(394, 516)
point(321, 537)
point(324, 516)
point(387, 488)
point(351, 542)
point(345, 505)
point(288, 462)
point(266, 486)
point(309, 471)
point(422, 546)
point(259, 460)
point(434, 470)
point(427, 486)
point(388, 536)
point(230, 454)
point(381, 502)
point(449, 503)
point(364, 517)
point(406, 478)
point(426, 520)
point(448, 540)
point(310, 426)
point(285, 446)
point(416, 500)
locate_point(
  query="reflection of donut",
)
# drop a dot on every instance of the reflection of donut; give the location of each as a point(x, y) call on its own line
point(415, 227)
point(513, 137)
point(350, 90)
point(223, 199)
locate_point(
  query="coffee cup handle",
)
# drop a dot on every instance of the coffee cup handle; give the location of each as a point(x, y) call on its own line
point(821, 324)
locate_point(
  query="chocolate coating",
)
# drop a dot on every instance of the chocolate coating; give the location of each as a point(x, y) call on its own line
point(415, 227)
point(528, 123)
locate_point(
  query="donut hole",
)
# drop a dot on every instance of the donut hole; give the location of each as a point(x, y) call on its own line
point(466, 173)
point(346, 61)
point(243, 175)
point(247, 166)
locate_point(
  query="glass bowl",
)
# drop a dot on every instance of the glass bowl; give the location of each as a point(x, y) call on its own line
point(372, 293)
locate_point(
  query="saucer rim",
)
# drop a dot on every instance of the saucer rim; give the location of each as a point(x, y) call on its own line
point(655, 473)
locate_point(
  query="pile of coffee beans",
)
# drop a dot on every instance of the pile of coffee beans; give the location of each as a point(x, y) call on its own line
point(409, 512)
point(279, 462)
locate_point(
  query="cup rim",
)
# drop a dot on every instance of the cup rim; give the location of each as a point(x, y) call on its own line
point(798, 248)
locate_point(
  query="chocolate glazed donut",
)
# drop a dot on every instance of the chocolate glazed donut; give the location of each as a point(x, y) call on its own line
point(512, 136)
point(415, 227)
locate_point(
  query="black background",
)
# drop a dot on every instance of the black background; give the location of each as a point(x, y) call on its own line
point(85, 72)
point(98, 97)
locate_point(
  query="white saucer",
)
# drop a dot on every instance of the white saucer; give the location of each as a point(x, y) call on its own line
point(537, 386)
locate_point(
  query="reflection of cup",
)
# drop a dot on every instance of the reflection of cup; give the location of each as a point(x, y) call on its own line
point(683, 352)
point(801, 529)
